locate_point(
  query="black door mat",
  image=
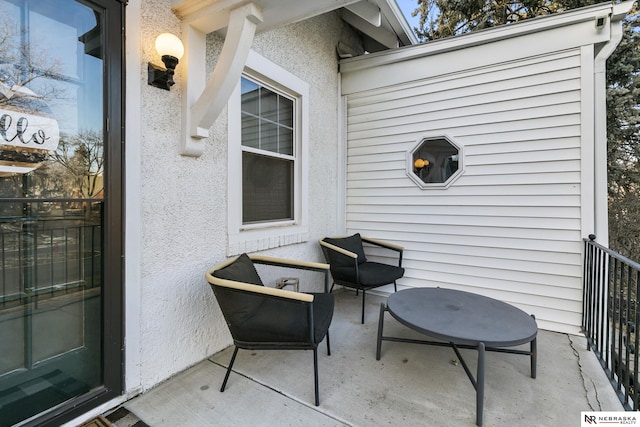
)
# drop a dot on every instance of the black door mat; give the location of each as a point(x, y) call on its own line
point(98, 421)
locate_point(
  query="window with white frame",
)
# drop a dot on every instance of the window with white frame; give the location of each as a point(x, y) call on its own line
point(436, 162)
point(268, 154)
point(268, 127)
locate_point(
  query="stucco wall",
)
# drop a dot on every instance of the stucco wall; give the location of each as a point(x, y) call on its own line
point(183, 209)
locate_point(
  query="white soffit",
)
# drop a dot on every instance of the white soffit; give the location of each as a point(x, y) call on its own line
point(208, 16)
point(368, 11)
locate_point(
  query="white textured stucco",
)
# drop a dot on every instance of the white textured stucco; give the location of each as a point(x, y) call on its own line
point(183, 199)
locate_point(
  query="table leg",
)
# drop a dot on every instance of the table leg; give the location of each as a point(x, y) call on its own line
point(480, 385)
point(534, 353)
point(534, 356)
point(380, 326)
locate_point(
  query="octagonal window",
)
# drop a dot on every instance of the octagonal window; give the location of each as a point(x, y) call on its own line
point(434, 162)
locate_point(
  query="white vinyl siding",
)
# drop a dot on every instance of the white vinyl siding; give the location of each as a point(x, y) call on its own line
point(510, 226)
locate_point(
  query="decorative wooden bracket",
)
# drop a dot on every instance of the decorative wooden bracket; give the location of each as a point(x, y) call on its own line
point(203, 102)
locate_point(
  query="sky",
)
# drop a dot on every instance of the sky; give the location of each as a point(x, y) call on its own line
point(407, 7)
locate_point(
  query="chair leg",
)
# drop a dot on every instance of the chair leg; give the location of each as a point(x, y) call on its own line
point(395, 286)
point(328, 345)
point(315, 374)
point(363, 292)
point(226, 377)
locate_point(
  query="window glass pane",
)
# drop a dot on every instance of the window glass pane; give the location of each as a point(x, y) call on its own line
point(250, 131)
point(268, 104)
point(52, 205)
point(267, 125)
point(250, 91)
point(64, 47)
point(435, 161)
point(268, 136)
point(286, 141)
point(11, 27)
point(267, 188)
point(286, 112)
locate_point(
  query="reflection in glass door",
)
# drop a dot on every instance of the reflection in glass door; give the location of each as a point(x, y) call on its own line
point(52, 204)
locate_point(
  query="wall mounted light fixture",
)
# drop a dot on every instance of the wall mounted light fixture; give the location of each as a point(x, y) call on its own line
point(171, 50)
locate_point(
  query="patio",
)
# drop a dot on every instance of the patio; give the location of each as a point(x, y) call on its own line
point(411, 385)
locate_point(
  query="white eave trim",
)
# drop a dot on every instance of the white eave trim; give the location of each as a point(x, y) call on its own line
point(401, 26)
point(477, 38)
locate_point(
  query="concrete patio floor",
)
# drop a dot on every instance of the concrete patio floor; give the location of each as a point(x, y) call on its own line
point(412, 385)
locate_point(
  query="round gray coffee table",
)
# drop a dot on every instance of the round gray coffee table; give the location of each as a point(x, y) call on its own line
point(462, 320)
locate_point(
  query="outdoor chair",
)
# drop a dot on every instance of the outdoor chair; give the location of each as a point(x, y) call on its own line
point(350, 267)
point(266, 318)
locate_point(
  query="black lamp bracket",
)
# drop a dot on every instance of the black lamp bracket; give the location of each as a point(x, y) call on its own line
point(163, 77)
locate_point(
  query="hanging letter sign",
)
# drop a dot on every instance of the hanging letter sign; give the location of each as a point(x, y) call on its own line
point(28, 130)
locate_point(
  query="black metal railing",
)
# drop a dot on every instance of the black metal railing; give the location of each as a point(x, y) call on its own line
point(611, 317)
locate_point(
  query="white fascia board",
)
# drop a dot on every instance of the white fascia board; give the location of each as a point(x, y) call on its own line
point(490, 35)
point(398, 21)
point(392, 30)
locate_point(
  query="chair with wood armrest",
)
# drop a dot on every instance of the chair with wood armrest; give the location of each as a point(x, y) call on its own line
point(350, 267)
point(265, 318)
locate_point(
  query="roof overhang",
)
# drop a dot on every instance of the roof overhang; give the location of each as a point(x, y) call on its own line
point(610, 14)
point(379, 21)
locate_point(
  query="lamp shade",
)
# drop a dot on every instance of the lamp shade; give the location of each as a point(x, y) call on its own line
point(169, 44)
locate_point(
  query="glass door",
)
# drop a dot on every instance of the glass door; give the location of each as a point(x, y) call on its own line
point(55, 190)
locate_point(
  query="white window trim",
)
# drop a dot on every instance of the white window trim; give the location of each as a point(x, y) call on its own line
point(435, 185)
point(257, 237)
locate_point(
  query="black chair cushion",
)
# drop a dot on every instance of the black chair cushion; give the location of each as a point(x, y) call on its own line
point(377, 274)
point(352, 244)
point(241, 270)
point(371, 274)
